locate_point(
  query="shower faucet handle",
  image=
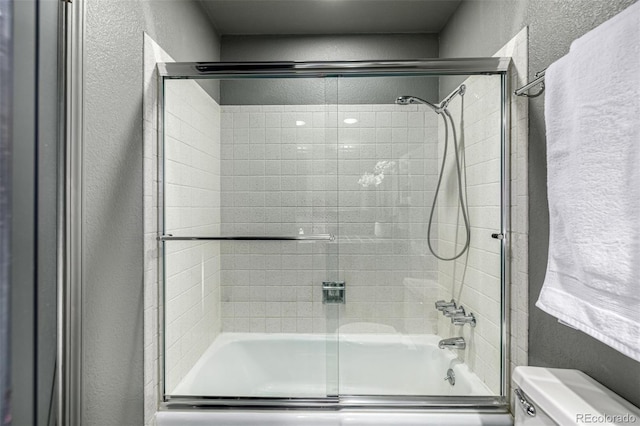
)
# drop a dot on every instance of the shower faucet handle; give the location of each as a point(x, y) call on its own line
point(441, 305)
point(464, 319)
point(453, 311)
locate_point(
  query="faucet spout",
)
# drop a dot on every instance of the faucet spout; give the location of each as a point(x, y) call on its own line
point(453, 343)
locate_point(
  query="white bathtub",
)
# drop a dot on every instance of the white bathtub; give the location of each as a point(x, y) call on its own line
point(286, 365)
point(297, 365)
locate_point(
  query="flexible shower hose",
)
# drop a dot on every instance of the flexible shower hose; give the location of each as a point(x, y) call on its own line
point(463, 207)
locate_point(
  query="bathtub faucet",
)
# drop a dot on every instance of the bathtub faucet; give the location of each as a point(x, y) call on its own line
point(453, 343)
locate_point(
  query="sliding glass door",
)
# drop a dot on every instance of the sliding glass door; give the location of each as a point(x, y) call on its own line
point(332, 238)
point(251, 288)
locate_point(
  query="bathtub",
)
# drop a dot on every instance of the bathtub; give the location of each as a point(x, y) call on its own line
point(300, 365)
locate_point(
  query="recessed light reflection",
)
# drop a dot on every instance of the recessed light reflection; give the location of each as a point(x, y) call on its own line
point(350, 121)
point(300, 123)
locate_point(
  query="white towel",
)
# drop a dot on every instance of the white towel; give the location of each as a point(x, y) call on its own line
point(592, 114)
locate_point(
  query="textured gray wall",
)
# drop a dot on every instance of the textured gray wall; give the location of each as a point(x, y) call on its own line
point(48, 131)
point(6, 117)
point(327, 48)
point(112, 223)
point(23, 237)
point(480, 28)
point(35, 199)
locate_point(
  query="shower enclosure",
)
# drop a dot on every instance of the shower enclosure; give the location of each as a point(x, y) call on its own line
point(327, 229)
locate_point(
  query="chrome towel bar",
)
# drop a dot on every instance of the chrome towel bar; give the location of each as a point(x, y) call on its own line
point(315, 237)
point(538, 79)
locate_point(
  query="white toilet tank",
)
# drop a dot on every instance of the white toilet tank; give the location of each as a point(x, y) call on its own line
point(555, 396)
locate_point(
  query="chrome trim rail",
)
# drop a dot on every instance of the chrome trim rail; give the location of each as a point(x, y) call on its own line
point(505, 241)
point(455, 66)
point(315, 237)
point(69, 376)
point(485, 404)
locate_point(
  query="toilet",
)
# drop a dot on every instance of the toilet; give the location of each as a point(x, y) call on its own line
point(554, 396)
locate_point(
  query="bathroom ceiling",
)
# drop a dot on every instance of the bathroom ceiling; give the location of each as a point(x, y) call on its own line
point(252, 17)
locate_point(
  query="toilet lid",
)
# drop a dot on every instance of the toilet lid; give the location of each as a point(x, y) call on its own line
point(570, 397)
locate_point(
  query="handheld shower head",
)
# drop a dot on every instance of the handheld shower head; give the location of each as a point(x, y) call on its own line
point(404, 100)
point(407, 100)
point(441, 109)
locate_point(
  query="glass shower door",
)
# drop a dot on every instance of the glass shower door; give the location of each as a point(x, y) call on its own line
point(406, 241)
point(250, 283)
point(303, 225)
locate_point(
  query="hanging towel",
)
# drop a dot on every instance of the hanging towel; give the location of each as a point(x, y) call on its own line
point(592, 115)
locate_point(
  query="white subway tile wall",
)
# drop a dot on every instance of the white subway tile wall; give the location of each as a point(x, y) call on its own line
point(364, 173)
point(192, 207)
point(473, 280)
